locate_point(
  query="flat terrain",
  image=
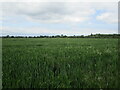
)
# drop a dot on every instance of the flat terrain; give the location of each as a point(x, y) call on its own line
point(59, 62)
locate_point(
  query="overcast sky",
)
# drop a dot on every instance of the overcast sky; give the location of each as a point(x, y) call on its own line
point(53, 18)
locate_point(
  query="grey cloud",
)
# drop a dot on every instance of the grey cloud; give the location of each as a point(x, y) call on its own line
point(43, 11)
point(54, 11)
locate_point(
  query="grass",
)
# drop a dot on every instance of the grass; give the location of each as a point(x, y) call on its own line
point(59, 63)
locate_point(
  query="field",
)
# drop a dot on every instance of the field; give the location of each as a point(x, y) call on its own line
point(59, 63)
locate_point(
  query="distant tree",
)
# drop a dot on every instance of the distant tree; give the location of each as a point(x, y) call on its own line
point(12, 36)
point(57, 36)
point(52, 36)
point(82, 36)
point(91, 34)
point(7, 36)
point(64, 36)
point(61, 35)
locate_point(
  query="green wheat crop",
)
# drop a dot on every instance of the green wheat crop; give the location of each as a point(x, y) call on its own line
point(59, 63)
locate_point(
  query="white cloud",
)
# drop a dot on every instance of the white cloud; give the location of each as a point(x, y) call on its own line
point(49, 12)
point(108, 17)
point(41, 31)
point(58, 12)
point(63, 12)
point(59, 1)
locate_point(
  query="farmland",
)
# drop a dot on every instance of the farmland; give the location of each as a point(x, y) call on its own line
point(59, 63)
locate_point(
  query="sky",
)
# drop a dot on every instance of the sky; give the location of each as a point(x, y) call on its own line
point(56, 18)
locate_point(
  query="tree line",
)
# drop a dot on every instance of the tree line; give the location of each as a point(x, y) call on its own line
point(65, 36)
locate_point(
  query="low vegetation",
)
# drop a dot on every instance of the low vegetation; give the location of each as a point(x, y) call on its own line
point(60, 63)
point(65, 36)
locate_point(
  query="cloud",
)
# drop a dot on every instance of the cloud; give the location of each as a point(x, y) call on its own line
point(49, 12)
point(45, 31)
point(59, 1)
point(108, 17)
point(57, 13)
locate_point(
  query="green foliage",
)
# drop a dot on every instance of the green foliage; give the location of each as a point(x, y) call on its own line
point(64, 36)
point(60, 63)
